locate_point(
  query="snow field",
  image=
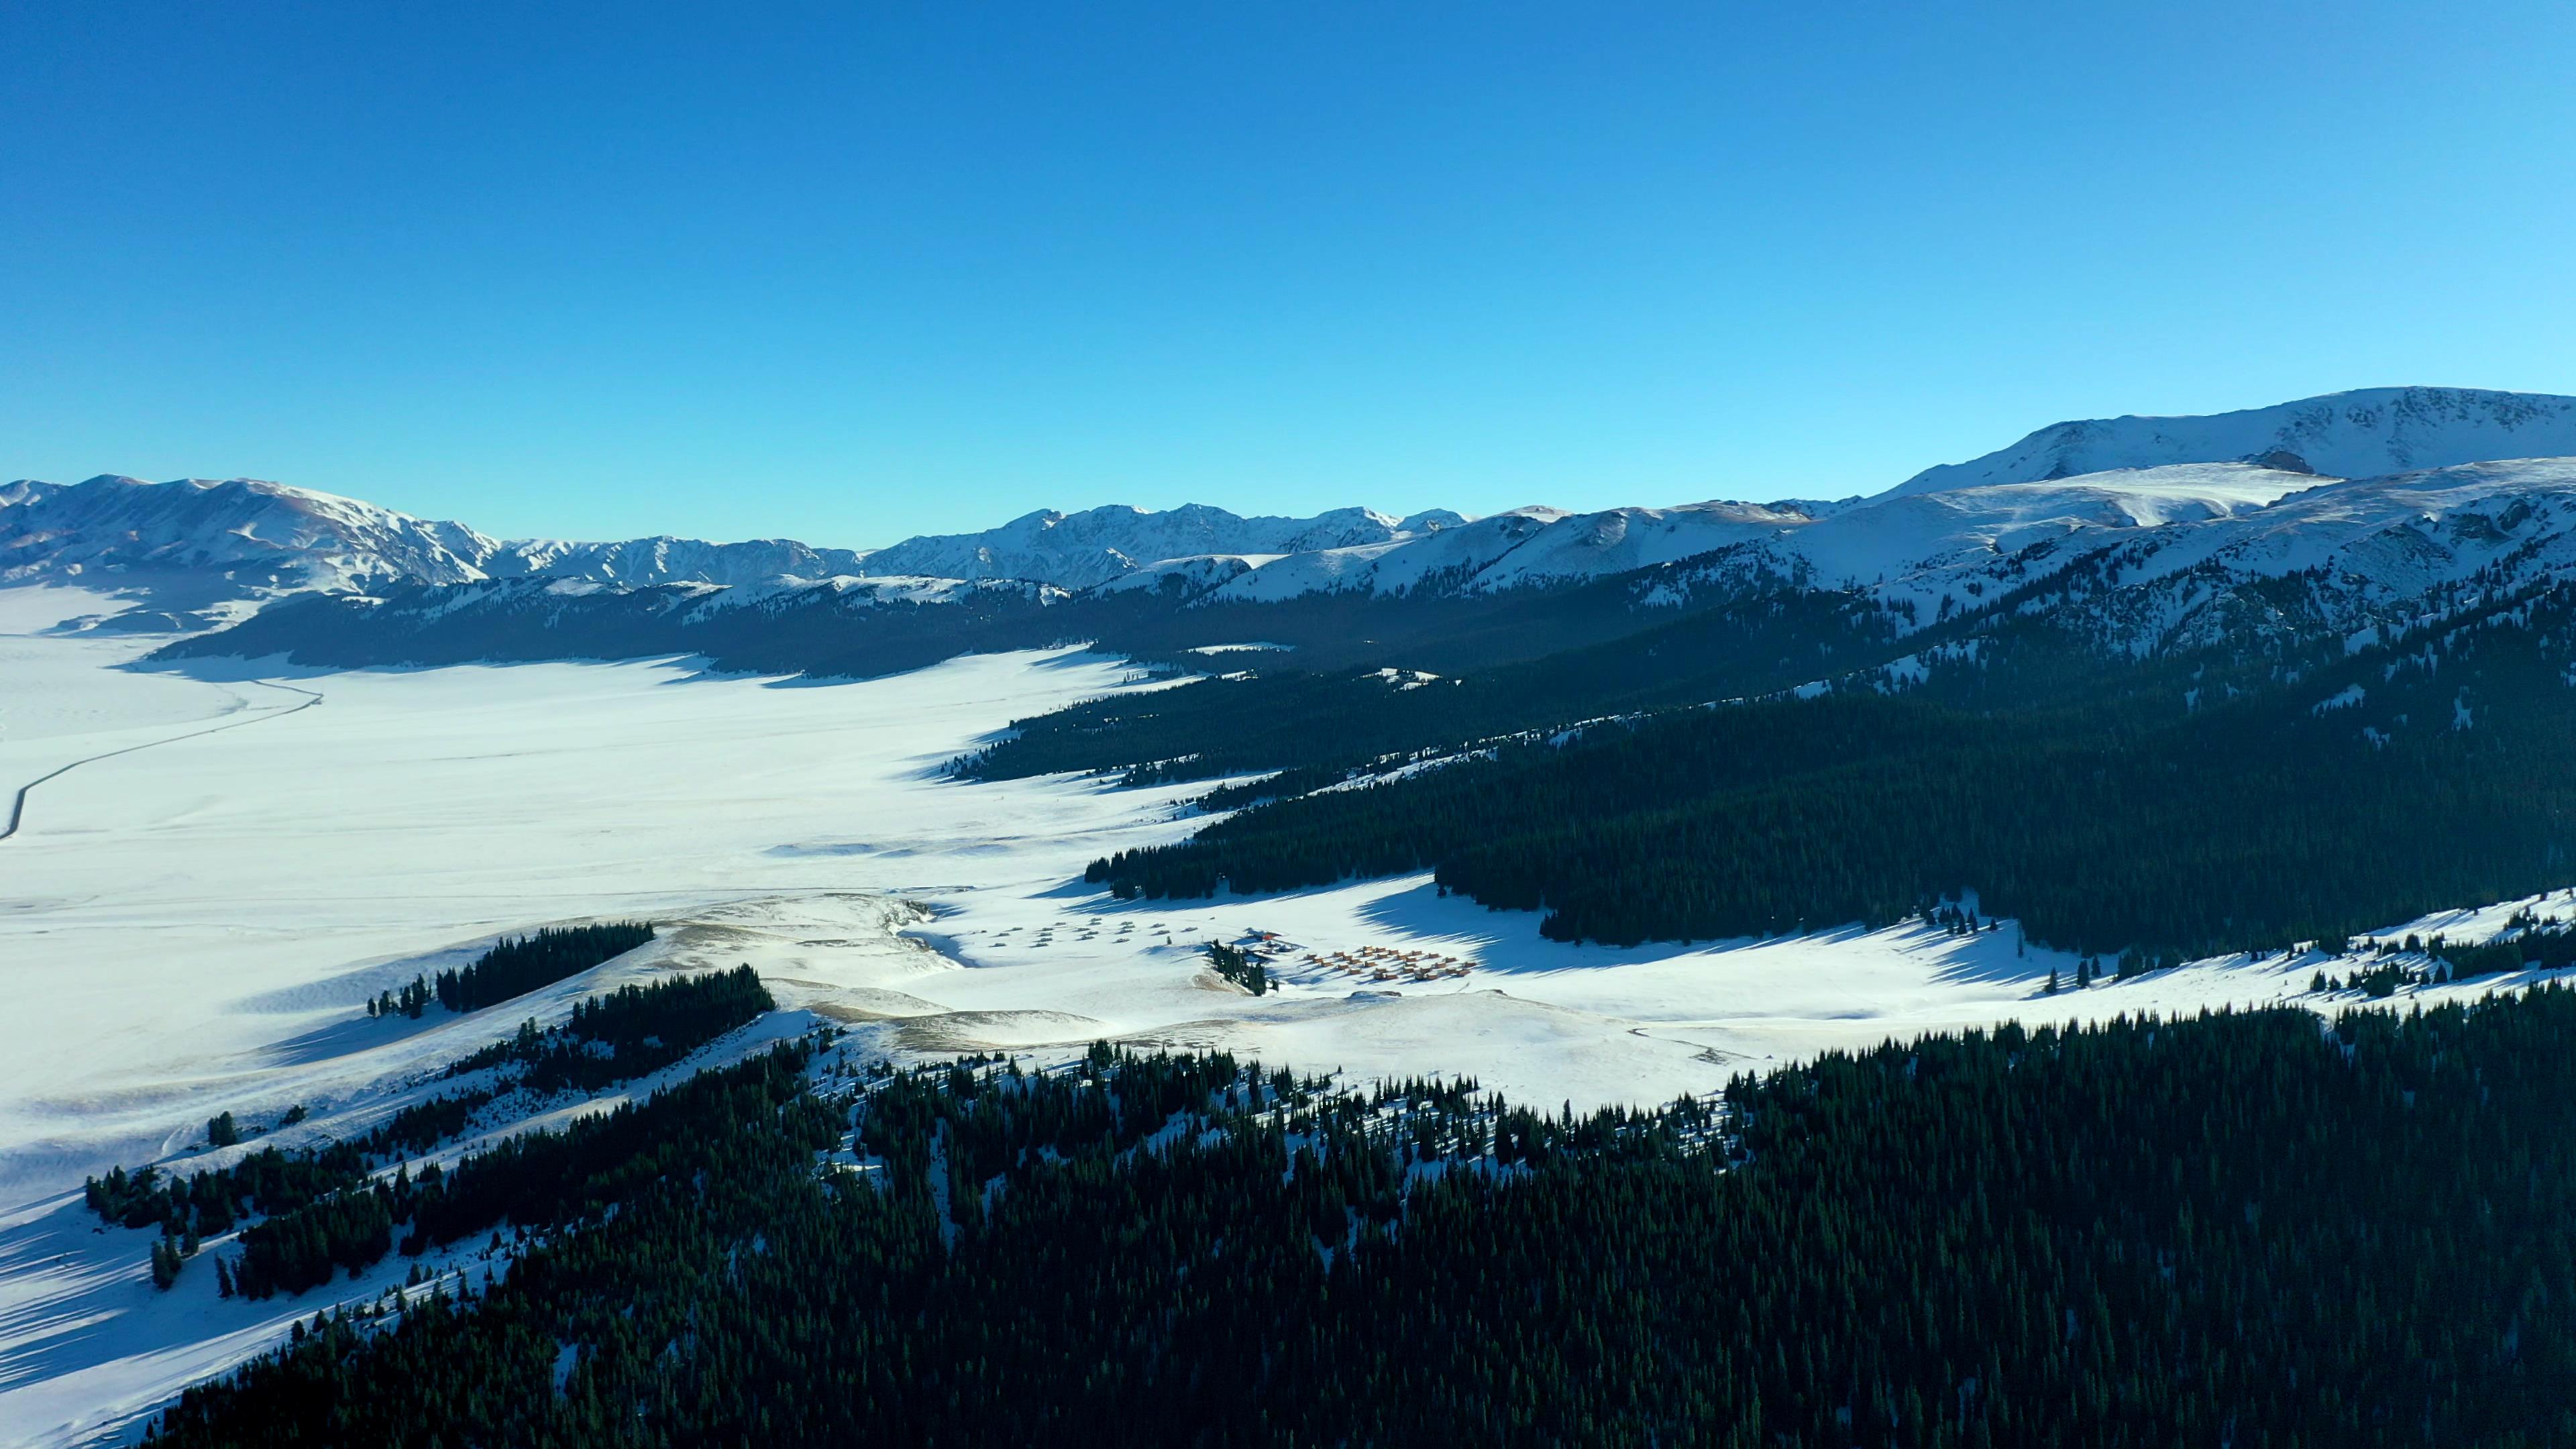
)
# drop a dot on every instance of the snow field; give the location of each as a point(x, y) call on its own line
point(195, 927)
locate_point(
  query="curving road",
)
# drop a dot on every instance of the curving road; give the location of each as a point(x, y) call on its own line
point(18, 802)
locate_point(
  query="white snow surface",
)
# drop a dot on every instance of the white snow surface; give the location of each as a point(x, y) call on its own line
point(196, 544)
point(1099, 545)
point(198, 541)
point(194, 926)
point(2359, 434)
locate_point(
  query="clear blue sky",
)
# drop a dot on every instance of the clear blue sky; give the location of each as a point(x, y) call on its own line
point(851, 272)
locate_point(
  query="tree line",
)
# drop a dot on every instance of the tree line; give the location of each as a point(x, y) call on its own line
point(2250, 1228)
point(322, 1207)
point(515, 966)
point(2126, 827)
point(635, 1029)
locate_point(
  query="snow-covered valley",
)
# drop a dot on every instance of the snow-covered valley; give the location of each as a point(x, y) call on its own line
point(192, 922)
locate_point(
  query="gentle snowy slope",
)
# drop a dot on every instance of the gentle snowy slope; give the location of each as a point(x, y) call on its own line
point(1918, 549)
point(1906, 534)
point(2358, 434)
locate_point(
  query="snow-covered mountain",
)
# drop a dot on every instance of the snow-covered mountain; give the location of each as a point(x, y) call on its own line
point(199, 544)
point(2068, 479)
point(639, 562)
point(2367, 557)
point(2362, 434)
point(1099, 545)
point(1450, 559)
point(2075, 478)
point(1888, 540)
point(209, 549)
point(255, 534)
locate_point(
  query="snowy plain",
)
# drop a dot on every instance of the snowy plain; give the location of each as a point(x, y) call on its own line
point(195, 925)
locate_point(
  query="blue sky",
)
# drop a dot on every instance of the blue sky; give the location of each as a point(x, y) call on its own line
point(848, 273)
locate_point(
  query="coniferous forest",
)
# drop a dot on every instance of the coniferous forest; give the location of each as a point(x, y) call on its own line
point(332, 1207)
point(521, 964)
point(2133, 824)
point(2255, 1229)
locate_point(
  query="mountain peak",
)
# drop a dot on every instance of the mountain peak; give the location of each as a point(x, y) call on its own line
point(2358, 434)
point(1098, 545)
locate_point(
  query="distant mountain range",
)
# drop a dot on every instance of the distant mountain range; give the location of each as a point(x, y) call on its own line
point(196, 546)
point(204, 552)
point(2362, 434)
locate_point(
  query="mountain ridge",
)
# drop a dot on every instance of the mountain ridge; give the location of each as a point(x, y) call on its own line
point(2364, 433)
point(209, 551)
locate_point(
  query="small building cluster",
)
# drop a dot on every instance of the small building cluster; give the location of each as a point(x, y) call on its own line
point(1385, 963)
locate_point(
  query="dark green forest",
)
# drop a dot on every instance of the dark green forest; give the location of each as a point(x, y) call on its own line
point(323, 1208)
point(612, 1038)
point(2241, 1228)
point(519, 965)
point(514, 966)
point(2125, 825)
point(1323, 724)
point(826, 632)
point(2255, 1229)
point(627, 1032)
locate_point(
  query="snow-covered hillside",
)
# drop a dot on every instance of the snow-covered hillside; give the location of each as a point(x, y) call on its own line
point(1099, 545)
point(191, 543)
point(640, 562)
point(197, 544)
point(804, 831)
point(2359, 434)
point(2139, 561)
point(241, 533)
point(205, 551)
point(2389, 551)
point(1877, 541)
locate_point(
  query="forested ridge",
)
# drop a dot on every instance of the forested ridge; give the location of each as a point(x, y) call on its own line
point(518, 965)
point(826, 631)
point(323, 1208)
point(2255, 1229)
point(2340, 801)
point(514, 966)
point(1327, 723)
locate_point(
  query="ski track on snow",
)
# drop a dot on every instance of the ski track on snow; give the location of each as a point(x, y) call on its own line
point(207, 939)
point(18, 802)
